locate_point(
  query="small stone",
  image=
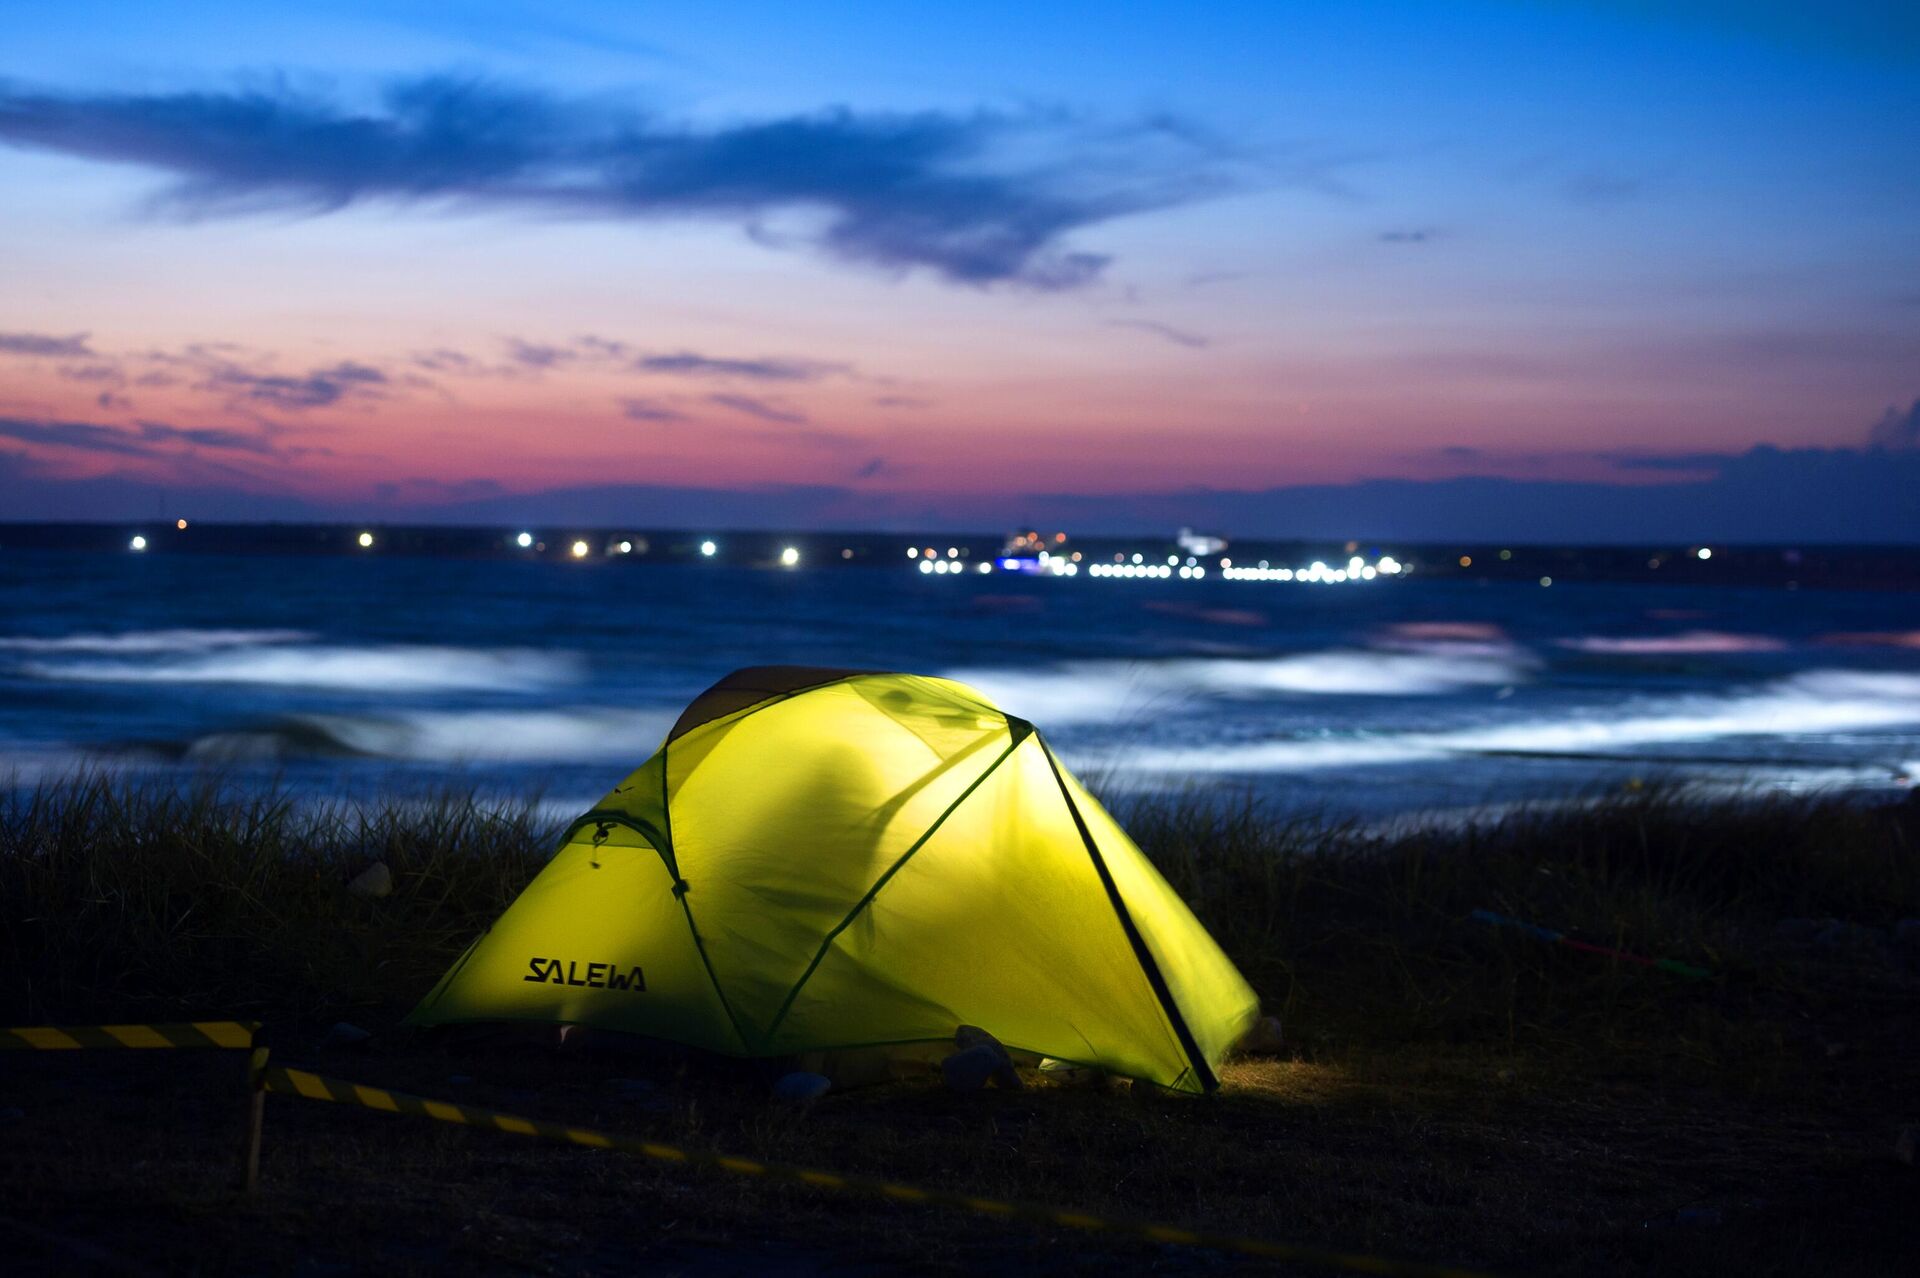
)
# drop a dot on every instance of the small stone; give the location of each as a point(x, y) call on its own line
point(1906, 1144)
point(345, 1035)
point(375, 880)
point(801, 1088)
point(1262, 1038)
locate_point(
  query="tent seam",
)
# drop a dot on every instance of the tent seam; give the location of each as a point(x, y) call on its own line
point(1149, 966)
point(680, 890)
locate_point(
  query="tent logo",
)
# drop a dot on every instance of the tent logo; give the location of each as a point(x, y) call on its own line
point(599, 976)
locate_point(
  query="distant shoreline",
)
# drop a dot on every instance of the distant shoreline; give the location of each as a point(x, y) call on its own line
point(1784, 566)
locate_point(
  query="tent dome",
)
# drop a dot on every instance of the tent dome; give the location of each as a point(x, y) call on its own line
point(818, 860)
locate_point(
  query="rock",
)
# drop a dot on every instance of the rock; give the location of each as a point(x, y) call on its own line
point(1262, 1038)
point(971, 1038)
point(969, 1071)
point(801, 1088)
point(375, 880)
point(345, 1035)
point(1906, 1145)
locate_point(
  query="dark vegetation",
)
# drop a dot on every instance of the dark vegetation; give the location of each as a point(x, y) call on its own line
point(1451, 1091)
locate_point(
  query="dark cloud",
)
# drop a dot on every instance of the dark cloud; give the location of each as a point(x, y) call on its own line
point(1896, 429)
point(1406, 237)
point(759, 408)
point(110, 401)
point(73, 345)
point(318, 389)
point(978, 198)
point(1166, 332)
point(879, 468)
point(648, 410)
point(110, 374)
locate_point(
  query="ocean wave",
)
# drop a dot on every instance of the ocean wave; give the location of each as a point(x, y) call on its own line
point(453, 736)
point(1687, 643)
point(1116, 691)
point(149, 641)
point(1809, 704)
point(388, 668)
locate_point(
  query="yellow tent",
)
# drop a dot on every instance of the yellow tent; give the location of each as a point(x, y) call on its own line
point(819, 860)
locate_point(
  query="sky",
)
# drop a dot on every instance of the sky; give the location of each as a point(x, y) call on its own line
point(1562, 270)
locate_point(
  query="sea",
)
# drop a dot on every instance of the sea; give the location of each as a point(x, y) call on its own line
point(546, 680)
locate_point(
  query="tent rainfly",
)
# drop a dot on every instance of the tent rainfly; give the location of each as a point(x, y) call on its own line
point(818, 860)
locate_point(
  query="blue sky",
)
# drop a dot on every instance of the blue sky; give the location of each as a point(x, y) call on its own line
point(1169, 259)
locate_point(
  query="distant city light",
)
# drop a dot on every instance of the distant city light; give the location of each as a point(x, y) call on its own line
point(181, 524)
point(1705, 553)
point(523, 540)
point(926, 566)
point(1546, 581)
point(1138, 559)
point(1466, 561)
point(138, 543)
point(709, 549)
point(846, 553)
point(790, 556)
point(913, 552)
point(985, 566)
point(626, 548)
point(1506, 554)
point(366, 540)
point(579, 550)
point(953, 552)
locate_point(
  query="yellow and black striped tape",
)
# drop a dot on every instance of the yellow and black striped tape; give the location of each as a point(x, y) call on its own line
point(295, 1082)
point(68, 1038)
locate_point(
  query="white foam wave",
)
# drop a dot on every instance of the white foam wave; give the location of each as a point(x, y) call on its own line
point(1688, 643)
point(390, 668)
point(477, 736)
point(1116, 691)
point(149, 641)
point(1810, 704)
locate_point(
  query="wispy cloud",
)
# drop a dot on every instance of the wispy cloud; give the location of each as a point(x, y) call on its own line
point(147, 439)
point(978, 198)
point(1165, 332)
point(320, 388)
point(650, 410)
point(760, 408)
point(1416, 236)
point(690, 364)
point(73, 345)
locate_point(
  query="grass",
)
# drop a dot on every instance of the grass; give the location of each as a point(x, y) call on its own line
point(1451, 1091)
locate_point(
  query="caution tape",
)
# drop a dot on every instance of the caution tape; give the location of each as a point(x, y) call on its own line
point(295, 1082)
point(190, 1034)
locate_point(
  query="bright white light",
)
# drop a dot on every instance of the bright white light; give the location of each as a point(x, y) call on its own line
point(1389, 565)
point(926, 565)
point(1226, 563)
point(580, 550)
point(913, 552)
point(1368, 574)
point(138, 543)
point(1353, 565)
point(626, 548)
point(708, 549)
point(1072, 570)
point(790, 556)
point(1173, 559)
point(523, 540)
point(985, 566)
point(1286, 574)
point(1138, 559)
point(1199, 571)
point(1186, 572)
point(953, 552)
point(366, 540)
point(1705, 553)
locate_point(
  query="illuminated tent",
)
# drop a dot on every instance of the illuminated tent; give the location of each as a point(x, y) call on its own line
point(818, 860)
